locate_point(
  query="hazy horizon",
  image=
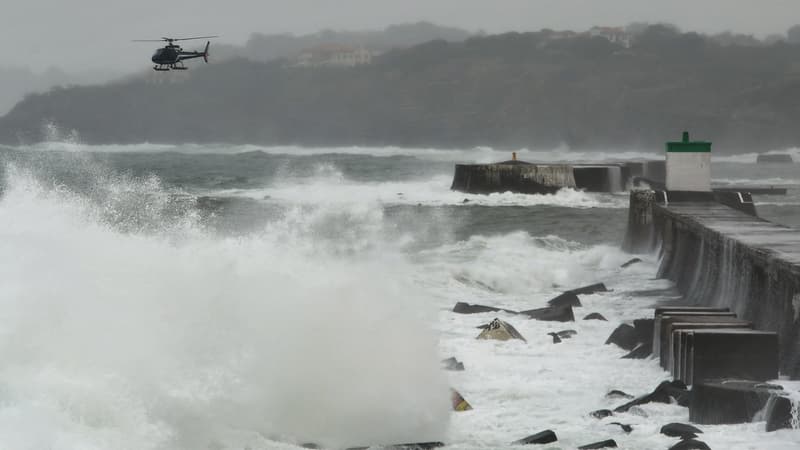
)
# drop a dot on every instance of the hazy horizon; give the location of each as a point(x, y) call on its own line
point(93, 34)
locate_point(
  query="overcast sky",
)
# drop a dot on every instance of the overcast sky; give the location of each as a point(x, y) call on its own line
point(92, 34)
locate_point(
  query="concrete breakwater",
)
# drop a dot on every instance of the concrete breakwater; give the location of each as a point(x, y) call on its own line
point(719, 253)
point(534, 178)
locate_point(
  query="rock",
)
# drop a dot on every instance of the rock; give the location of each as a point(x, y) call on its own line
point(609, 443)
point(416, 446)
point(501, 331)
point(630, 263)
point(644, 330)
point(680, 430)
point(624, 336)
point(453, 364)
point(601, 413)
point(595, 316)
point(640, 352)
point(664, 393)
point(459, 404)
point(466, 308)
point(690, 444)
point(310, 445)
point(466, 200)
point(566, 334)
point(625, 427)
point(556, 339)
point(618, 394)
point(637, 411)
point(778, 413)
point(544, 437)
point(591, 289)
point(551, 314)
point(565, 299)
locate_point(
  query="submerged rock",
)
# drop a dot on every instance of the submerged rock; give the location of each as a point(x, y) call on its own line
point(452, 364)
point(618, 394)
point(551, 314)
point(690, 444)
point(500, 330)
point(609, 443)
point(630, 263)
point(565, 299)
point(663, 393)
point(595, 316)
point(416, 446)
point(625, 427)
point(680, 430)
point(544, 437)
point(640, 352)
point(466, 308)
point(601, 413)
point(624, 336)
point(556, 339)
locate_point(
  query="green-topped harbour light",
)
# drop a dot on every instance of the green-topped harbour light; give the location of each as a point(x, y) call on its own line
point(689, 165)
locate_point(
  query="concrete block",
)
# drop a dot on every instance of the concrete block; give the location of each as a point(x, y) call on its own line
point(661, 338)
point(728, 401)
point(782, 413)
point(674, 330)
point(718, 354)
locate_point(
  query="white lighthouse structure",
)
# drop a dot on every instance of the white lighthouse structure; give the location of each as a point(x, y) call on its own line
point(688, 165)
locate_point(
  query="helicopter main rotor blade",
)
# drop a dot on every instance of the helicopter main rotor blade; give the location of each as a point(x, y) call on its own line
point(147, 40)
point(191, 38)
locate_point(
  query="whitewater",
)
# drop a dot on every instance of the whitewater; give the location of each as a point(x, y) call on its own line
point(210, 297)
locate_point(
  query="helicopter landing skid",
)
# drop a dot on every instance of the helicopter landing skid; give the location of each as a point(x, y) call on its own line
point(160, 68)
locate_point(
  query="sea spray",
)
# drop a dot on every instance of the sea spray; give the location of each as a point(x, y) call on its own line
point(122, 337)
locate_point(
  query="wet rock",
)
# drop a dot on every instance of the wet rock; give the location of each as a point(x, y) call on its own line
point(544, 437)
point(778, 413)
point(630, 263)
point(625, 427)
point(466, 200)
point(566, 334)
point(640, 352)
point(459, 403)
point(452, 364)
point(637, 411)
point(664, 393)
point(601, 413)
point(310, 445)
point(680, 430)
point(466, 308)
point(500, 330)
point(591, 289)
point(415, 446)
point(624, 336)
point(729, 401)
point(690, 444)
point(565, 299)
point(556, 339)
point(618, 394)
point(609, 443)
point(644, 330)
point(551, 314)
point(595, 316)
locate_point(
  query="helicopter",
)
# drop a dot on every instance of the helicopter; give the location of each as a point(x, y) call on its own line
point(172, 56)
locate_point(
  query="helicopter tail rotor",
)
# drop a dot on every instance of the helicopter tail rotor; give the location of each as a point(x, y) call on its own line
point(205, 52)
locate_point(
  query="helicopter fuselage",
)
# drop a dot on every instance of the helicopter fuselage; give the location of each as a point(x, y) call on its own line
point(172, 57)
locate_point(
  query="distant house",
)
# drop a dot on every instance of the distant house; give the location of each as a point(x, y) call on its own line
point(333, 55)
point(616, 35)
point(558, 35)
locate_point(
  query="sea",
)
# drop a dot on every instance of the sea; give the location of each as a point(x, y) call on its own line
point(209, 297)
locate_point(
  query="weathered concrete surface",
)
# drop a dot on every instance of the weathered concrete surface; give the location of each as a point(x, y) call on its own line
point(720, 256)
point(728, 401)
point(743, 354)
point(514, 176)
point(676, 357)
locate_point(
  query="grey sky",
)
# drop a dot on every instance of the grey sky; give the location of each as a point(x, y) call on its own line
point(81, 34)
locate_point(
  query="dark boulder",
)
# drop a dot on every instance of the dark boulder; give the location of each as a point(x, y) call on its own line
point(551, 314)
point(556, 339)
point(778, 413)
point(631, 262)
point(624, 336)
point(664, 393)
point(625, 427)
point(415, 446)
point(609, 443)
point(565, 299)
point(690, 444)
point(452, 364)
point(601, 413)
point(640, 352)
point(591, 289)
point(566, 334)
point(544, 437)
point(680, 430)
point(644, 330)
point(500, 331)
point(595, 316)
point(466, 308)
point(618, 394)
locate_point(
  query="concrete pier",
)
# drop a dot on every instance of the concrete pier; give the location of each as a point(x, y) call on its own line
point(720, 254)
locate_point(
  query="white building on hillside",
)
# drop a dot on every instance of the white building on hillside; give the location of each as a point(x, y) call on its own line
point(333, 55)
point(616, 35)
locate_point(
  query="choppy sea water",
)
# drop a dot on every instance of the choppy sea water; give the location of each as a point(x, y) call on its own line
point(213, 297)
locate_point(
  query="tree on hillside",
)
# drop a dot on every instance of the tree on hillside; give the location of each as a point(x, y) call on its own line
point(793, 35)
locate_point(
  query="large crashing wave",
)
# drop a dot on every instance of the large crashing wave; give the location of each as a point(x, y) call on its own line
point(126, 324)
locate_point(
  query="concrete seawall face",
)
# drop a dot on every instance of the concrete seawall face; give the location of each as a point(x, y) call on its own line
point(718, 256)
point(514, 177)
